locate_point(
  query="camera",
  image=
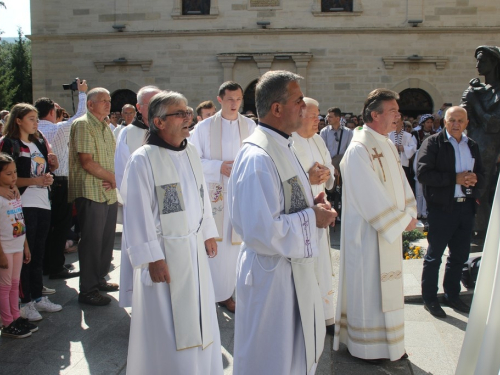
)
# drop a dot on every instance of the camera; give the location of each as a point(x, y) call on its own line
point(71, 86)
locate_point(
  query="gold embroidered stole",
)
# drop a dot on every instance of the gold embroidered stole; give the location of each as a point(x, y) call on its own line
point(192, 320)
point(306, 285)
point(216, 190)
point(389, 174)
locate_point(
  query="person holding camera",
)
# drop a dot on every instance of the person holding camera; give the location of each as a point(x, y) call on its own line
point(58, 136)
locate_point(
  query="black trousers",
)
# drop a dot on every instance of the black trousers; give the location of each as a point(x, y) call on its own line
point(60, 223)
point(37, 222)
point(454, 230)
point(95, 250)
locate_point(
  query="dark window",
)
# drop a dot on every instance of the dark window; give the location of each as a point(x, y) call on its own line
point(414, 102)
point(336, 5)
point(195, 7)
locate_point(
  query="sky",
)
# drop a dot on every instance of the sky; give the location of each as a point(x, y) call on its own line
point(17, 14)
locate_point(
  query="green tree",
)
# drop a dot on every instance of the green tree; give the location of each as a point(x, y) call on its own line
point(21, 70)
point(15, 72)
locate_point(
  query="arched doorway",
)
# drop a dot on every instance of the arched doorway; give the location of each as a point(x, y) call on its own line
point(249, 98)
point(121, 97)
point(414, 102)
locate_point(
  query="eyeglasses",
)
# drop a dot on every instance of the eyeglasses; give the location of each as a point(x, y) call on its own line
point(179, 114)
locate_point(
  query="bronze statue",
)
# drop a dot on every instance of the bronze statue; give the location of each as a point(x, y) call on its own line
point(482, 102)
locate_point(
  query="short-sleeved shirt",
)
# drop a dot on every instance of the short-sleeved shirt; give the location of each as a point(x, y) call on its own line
point(90, 136)
point(12, 227)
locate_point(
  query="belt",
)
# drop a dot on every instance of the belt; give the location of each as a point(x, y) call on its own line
point(460, 200)
point(62, 178)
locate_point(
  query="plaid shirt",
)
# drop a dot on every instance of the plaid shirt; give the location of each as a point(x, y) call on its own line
point(90, 136)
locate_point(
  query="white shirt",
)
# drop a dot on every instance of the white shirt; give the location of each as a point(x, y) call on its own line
point(58, 135)
point(12, 227)
point(36, 196)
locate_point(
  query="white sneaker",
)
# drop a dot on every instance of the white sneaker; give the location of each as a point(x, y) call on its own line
point(47, 291)
point(29, 312)
point(46, 305)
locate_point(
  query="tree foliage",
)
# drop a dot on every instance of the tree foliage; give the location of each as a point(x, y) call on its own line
point(15, 72)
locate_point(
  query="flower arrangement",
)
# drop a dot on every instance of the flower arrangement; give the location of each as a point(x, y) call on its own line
point(411, 251)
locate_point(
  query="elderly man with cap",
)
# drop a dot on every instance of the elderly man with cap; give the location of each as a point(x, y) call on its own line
point(425, 128)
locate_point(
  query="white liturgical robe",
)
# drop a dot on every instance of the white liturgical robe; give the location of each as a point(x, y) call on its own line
point(129, 139)
point(268, 336)
point(372, 215)
point(152, 343)
point(223, 266)
point(479, 353)
point(409, 144)
point(310, 151)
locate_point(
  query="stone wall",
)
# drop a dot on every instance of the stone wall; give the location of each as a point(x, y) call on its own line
point(348, 50)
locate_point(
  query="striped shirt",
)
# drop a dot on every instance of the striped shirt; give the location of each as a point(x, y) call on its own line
point(90, 136)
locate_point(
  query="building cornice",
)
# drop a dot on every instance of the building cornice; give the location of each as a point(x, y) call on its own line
point(277, 31)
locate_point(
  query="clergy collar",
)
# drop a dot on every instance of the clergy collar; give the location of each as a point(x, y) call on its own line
point(284, 135)
point(153, 139)
point(138, 122)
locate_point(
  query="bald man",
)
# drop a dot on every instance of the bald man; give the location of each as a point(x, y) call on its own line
point(452, 174)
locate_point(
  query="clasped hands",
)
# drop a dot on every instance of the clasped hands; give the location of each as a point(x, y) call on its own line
point(325, 214)
point(159, 273)
point(466, 179)
point(318, 174)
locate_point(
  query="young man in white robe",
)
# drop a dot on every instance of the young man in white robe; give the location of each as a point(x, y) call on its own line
point(378, 206)
point(279, 327)
point(129, 139)
point(218, 139)
point(171, 231)
point(314, 157)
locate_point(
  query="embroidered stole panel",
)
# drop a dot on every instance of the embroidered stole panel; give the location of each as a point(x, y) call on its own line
point(306, 283)
point(216, 190)
point(192, 324)
point(389, 174)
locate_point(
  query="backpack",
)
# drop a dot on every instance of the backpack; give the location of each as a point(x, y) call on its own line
point(470, 271)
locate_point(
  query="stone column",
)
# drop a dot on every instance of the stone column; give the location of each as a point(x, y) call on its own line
point(301, 62)
point(264, 62)
point(227, 63)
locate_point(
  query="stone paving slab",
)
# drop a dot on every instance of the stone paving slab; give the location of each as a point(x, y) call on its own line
point(88, 340)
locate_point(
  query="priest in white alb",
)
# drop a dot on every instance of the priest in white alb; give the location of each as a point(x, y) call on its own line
point(218, 139)
point(170, 235)
point(279, 327)
point(378, 206)
point(129, 139)
point(479, 354)
point(315, 159)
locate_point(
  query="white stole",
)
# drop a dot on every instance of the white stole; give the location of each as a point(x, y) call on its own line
point(306, 285)
point(216, 190)
point(389, 174)
point(301, 153)
point(135, 137)
point(192, 325)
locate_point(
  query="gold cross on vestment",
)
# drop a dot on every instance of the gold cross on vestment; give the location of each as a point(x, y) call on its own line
point(378, 156)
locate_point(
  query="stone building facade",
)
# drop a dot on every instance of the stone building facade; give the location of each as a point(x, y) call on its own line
point(421, 48)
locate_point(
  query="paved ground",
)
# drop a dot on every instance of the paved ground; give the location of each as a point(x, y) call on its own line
point(93, 340)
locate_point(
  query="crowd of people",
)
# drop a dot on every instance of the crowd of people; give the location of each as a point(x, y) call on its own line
point(226, 205)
